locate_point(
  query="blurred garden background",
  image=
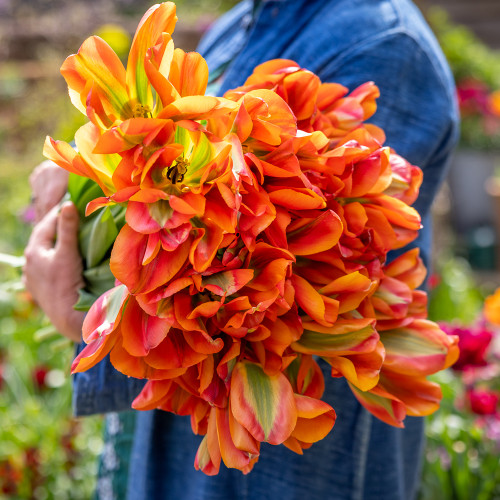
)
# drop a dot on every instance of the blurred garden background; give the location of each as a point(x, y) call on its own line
point(47, 454)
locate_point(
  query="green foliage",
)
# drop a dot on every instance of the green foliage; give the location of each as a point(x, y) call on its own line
point(476, 66)
point(473, 135)
point(45, 453)
point(50, 454)
point(461, 463)
point(456, 296)
point(461, 456)
point(467, 55)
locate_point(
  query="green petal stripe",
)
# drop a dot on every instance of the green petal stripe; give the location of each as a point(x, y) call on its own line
point(263, 404)
point(324, 344)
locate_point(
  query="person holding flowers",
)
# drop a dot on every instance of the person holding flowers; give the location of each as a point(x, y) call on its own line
point(254, 239)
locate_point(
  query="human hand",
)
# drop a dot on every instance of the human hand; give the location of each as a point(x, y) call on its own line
point(49, 184)
point(53, 272)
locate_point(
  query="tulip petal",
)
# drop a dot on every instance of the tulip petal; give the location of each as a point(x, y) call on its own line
point(203, 461)
point(152, 395)
point(148, 218)
point(408, 268)
point(97, 64)
point(94, 352)
point(104, 314)
point(297, 198)
point(421, 397)
point(420, 348)
point(349, 290)
point(228, 282)
point(389, 410)
point(344, 338)
point(100, 328)
point(158, 19)
point(103, 166)
point(319, 308)
point(231, 455)
point(362, 370)
point(65, 156)
point(315, 419)
point(196, 108)
point(188, 73)
point(316, 235)
point(492, 308)
point(140, 331)
point(127, 257)
point(126, 135)
point(205, 245)
point(157, 66)
point(208, 456)
point(263, 404)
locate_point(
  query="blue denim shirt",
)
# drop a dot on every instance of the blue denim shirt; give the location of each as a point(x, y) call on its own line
point(350, 42)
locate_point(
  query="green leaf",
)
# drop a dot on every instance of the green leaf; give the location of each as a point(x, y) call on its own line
point(99, 279)
point(44, 333)
point(118, 212)
point(85, 300)
point(82, 190)
point(76, 185)
point(97, 235)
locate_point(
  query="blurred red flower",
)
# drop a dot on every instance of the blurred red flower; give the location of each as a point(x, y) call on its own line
point(2, 368)
point(483, 401)
point(10, 477)
point(473, 344)
point(39, 376)
point(473, 97)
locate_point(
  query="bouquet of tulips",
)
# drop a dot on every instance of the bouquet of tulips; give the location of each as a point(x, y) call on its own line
point(247, 236)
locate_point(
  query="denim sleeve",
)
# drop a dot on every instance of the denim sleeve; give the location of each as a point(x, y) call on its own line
point(416, 108)
point(103, 389)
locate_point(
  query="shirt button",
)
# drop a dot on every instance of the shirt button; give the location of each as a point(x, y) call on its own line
point(246, 21)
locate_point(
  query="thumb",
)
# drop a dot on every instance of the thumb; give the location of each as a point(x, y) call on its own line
point(67, 229)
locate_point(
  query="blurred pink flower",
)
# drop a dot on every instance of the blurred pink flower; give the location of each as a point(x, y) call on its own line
point(473, 97)
point(471, 375)
point(434, 280)
point(491, 425)
point(483, 401)
point(28, 214)
point(476, 99)
point(473, 344)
